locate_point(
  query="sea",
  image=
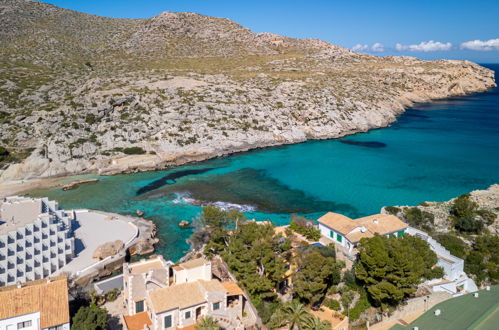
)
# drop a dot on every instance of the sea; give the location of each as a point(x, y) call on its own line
point(433, 152)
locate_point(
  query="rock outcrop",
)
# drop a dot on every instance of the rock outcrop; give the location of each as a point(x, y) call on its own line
point(183, 87)
point(108, 249)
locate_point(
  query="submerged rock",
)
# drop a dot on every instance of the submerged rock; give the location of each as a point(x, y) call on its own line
point(184, 224)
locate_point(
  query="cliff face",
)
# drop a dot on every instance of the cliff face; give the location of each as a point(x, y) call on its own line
point(78, 90)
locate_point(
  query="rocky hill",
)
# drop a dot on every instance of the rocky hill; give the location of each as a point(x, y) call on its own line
point(81, 93)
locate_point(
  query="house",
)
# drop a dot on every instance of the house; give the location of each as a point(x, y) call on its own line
point(40, 304)
point(158, 295)
point(347, 232)
point(36, 239)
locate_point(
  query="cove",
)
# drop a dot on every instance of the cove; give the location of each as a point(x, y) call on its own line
point(433, 152)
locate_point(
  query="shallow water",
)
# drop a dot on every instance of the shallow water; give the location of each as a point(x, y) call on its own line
point(432, 153)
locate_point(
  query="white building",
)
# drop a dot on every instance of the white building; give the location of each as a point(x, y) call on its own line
point(159, 296)
point(455, 280)
point(36, 239)
point(41, 304)
point(348, 232)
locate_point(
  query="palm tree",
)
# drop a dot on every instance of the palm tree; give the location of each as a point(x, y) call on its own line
point(207, 323)
point(315, 323)
point(295, 314)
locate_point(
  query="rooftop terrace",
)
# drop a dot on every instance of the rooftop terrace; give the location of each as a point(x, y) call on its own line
point(464, 312)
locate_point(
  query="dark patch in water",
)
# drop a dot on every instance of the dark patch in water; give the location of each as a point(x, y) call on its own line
point(169, 179)
point(369, 144)
point(252, 187)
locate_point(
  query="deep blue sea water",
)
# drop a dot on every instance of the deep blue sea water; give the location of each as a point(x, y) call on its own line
point(434, 152)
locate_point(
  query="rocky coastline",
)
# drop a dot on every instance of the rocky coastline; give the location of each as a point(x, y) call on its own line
point(132, 106)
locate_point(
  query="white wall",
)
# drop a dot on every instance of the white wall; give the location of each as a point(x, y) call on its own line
point(326, 231)
point(11, 323)
point(194, 274)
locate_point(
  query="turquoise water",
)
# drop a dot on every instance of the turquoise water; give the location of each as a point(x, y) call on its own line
point(432, 153)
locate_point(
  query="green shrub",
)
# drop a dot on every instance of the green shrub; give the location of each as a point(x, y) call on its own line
point(134, 151)
point(112, 295)
point(332, 303)
point(486, 215)
point(417, 218)
point(392, 210)
point(309, 231)
point(360, 306)
point(4, 154)
point(454, 244)
point(468, 223)
point(90, 119)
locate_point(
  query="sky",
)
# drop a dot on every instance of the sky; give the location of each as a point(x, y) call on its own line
point(427, 29)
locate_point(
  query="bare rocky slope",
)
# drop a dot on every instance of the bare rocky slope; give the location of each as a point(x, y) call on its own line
point(78, 92)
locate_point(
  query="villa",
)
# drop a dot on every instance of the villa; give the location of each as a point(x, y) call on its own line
point(347, 232)
point(41, 304)
point(159, 295)
point(36, 239)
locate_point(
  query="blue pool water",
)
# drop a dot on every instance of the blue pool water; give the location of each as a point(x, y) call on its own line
point(432, 153)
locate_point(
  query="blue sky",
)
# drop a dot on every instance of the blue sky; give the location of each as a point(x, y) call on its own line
point(459, 29)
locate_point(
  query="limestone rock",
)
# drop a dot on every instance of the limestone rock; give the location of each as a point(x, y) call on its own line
point(108, 249)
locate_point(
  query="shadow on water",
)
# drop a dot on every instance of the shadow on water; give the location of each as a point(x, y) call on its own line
point(169, 179)
point(368, 144)
point(250, 187)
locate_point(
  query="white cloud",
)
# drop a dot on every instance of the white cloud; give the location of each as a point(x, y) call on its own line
point(377, 47)
point(360, 48)
point(425, 46)
point(492, 44)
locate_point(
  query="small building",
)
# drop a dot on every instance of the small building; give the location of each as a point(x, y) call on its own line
point(41, 304)
point(36, 239)
point(347, 232)
point(158, 295)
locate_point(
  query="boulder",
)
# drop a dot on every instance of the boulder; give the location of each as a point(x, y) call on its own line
point(184, 224)
point(108, 249)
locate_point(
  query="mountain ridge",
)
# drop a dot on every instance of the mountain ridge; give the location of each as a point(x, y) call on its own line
point(82, 93)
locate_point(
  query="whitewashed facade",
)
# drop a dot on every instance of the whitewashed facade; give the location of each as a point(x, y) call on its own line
point(36, 239)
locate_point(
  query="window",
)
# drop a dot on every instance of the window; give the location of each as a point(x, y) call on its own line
point(400, 233)
point(187, 315)
point(216, 306)
point(139, 306)
point(339, 238)
point(59, 327)
point(25, 324)
point(331, 234)
point(168, 321)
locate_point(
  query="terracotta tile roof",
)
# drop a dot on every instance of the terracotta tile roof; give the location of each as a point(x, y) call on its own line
point(176, 296)
point(232, 288)
point(48, 298)
point(183, 295)
point(211, 285)
point(193, 263)
point(338, 222)
point(139, 268)
point(374, 224)
point(137, 321)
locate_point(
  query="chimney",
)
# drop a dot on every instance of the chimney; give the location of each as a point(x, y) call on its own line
point(19, 285)
point(375, 221)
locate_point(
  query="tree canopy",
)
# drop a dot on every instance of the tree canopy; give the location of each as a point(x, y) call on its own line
point(315, 274)
point(90, 318)
point(391, 268)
